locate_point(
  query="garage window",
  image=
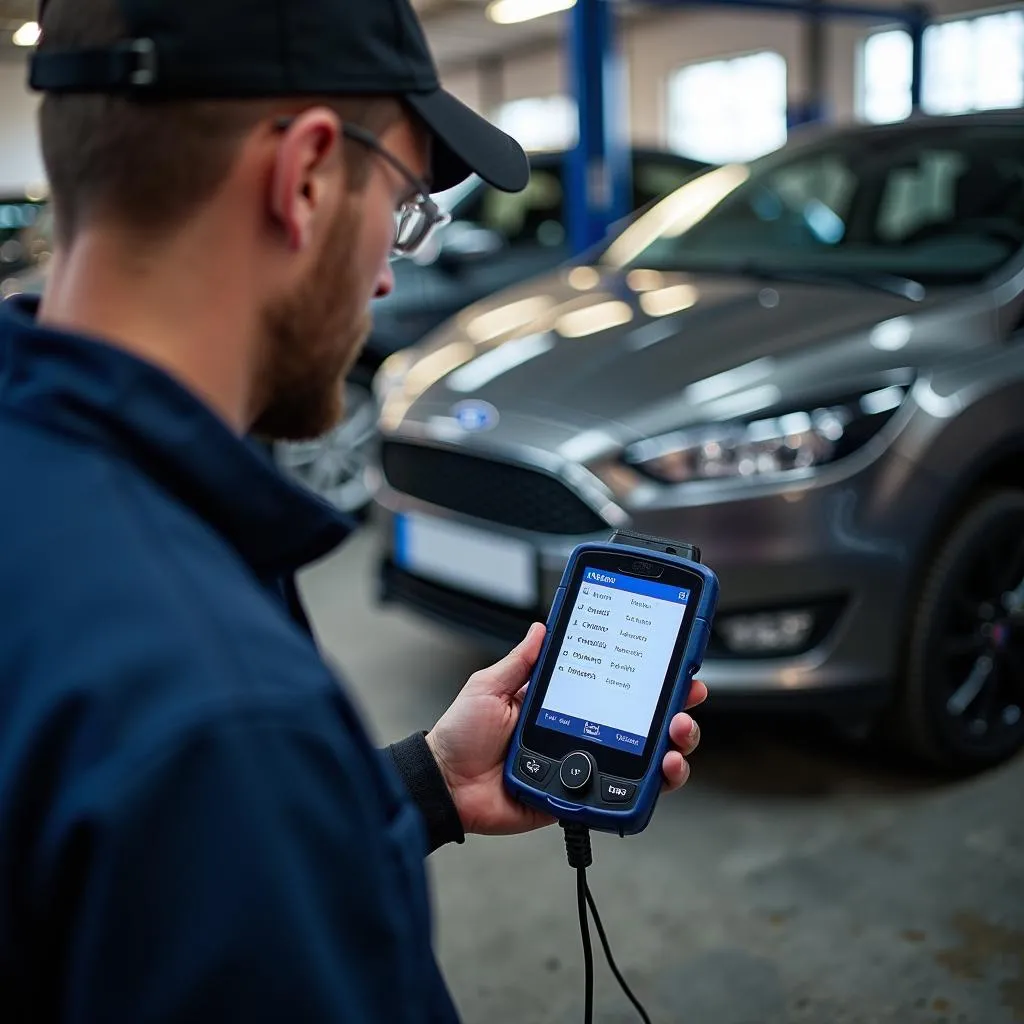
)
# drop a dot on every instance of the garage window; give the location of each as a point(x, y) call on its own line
point(728, 110)
point(540, 123)
point(971, 64)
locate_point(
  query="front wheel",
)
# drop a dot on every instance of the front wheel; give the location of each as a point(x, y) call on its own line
point(962, 695)
point(334, 466)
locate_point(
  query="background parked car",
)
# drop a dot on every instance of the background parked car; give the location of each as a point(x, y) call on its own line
point(812, 366)
point(495, 240)
point(22, 216)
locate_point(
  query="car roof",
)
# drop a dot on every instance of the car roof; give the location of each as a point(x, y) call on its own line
point(916, 123)
point(551, 157)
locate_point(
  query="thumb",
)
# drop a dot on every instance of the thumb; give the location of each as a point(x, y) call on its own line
point(511, 674)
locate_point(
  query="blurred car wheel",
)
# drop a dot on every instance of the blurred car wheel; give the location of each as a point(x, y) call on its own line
point(963, 692)
point(334, 466)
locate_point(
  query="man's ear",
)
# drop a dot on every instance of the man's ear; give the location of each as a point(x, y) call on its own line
point(307, 176)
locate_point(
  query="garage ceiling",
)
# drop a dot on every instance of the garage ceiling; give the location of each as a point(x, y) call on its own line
point(459, 32)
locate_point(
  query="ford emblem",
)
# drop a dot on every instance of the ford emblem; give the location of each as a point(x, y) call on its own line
point(474, 417)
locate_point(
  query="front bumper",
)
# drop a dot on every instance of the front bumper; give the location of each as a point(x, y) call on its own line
point(844, 548)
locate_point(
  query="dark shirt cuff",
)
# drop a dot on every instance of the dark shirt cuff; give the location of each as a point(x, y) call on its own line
point(429, 791)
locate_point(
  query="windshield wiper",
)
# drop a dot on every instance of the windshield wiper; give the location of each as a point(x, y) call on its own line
point(891, 284)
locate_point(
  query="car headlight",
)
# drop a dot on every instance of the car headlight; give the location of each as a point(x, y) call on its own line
point(779, 443)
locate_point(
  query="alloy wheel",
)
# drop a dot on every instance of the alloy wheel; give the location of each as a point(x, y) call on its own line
point(334, 466)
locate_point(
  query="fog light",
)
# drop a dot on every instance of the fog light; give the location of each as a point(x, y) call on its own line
point(780, 632)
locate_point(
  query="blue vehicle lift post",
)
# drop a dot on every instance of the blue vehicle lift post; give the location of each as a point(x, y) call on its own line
point(598, 174)
point(598, 178)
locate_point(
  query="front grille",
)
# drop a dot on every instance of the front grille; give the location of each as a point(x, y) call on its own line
point(493, 623)
point(493, 491)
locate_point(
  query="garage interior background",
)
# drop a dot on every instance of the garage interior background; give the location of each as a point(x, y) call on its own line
point(716, 83)
point(800, 879)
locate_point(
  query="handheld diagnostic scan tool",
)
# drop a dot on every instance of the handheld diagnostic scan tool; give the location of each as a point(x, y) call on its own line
point(627, 632)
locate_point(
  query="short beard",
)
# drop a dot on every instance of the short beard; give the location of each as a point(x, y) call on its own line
point(312, 339)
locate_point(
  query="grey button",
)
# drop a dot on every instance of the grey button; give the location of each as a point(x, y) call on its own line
point(615, 792)
point(534, 768)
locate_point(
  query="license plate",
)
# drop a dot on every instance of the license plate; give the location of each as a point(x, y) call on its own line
point(486, 564)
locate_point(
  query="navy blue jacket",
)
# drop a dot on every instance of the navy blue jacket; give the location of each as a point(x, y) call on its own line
point(194, 825)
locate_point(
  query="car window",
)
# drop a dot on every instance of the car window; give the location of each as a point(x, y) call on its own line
point(827, 180)
point(535, 216)
point(654, 177)
point(921, 194)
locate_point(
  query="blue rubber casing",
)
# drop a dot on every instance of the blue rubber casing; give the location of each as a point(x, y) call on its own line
point(634, 819)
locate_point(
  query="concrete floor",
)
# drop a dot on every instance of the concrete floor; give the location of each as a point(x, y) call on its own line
point(794, 879)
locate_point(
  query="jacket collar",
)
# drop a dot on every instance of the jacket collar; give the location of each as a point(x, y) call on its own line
point(101, 395)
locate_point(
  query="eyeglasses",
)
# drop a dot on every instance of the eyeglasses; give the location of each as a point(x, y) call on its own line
point(418, 216)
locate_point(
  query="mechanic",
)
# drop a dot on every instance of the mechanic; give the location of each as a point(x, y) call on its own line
point(194, 825)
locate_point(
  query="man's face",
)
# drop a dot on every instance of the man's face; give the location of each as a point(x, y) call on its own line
point(313, 336)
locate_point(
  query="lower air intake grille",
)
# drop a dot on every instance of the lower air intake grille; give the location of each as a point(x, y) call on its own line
point(493, 491)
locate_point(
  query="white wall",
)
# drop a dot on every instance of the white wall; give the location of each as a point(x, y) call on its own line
point(655, 49)
point(20, 161)
point(466, 85)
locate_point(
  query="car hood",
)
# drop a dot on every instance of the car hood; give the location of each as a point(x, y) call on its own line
point(636, 353)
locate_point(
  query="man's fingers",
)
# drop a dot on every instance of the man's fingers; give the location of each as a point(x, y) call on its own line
point(698, 694)
point(511, 674)
point(684, 733)
point(676, 771)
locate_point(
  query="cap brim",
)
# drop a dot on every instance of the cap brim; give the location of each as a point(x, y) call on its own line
point(466, 143)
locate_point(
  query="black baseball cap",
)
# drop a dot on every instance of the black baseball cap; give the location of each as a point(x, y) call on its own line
point(248, 49)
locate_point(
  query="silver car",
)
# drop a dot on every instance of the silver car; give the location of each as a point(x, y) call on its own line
point(813, 367)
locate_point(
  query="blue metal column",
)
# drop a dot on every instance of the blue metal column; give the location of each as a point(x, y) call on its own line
point(598, 179)
point(916, 27)
point(815, 108)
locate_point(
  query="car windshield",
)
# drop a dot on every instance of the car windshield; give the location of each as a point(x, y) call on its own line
point(936, 205)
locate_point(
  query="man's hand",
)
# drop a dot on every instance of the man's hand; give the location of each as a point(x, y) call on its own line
point(471, 740)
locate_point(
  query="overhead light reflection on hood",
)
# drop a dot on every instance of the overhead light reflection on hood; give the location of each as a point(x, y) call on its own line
point(665, 301)
point(677, 213)
point(744, 403)
point(432, 367)
point(603, 316)
point(730, 381)
point(423, 374)
point(498, 361)
point(583, 279)
point(645, 280)
point(892, 335)
point(512, 317)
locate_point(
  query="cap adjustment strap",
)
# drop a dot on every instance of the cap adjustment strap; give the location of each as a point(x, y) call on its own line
point(128, 66)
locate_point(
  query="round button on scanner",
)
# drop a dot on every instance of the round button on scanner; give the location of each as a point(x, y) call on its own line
point(576, 772)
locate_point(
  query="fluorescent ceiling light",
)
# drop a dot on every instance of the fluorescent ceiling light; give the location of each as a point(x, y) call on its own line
point(510, 12)
point(28, 34)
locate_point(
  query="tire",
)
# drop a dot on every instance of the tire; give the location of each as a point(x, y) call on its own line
point(960, 701)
